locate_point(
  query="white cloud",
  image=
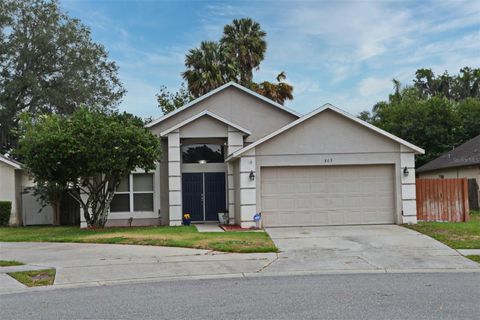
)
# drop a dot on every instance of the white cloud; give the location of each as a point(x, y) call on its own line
point(374, 86)
point(343, 52)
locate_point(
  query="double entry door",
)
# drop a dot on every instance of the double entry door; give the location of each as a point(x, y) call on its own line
point(204, 195)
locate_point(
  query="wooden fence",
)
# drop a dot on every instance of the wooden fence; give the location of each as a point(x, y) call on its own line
point(442, 200)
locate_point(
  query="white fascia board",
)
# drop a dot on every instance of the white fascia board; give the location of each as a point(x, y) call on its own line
point(317, 111)
point(13, 163)
point(205, 96)
point(205, 113)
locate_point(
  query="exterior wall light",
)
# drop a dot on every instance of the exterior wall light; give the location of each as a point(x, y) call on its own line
point(251, 175)
point(202, 161)
point(405, 172)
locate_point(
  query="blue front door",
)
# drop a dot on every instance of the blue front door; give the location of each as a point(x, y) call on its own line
point(204, 195)
point(192, 195)
point(215, 195)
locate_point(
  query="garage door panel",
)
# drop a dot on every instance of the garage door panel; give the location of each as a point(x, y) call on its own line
point(334, 195)
point(302, 187)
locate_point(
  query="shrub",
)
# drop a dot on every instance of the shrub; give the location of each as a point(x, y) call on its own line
point(5, 211)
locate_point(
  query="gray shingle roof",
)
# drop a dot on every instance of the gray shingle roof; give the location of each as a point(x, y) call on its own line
point(466, 154)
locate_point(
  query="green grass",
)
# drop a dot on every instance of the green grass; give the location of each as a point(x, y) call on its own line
point(187, 237)
point(458, 235)
point(475, 258)
point(10, 263)
point(35, 278)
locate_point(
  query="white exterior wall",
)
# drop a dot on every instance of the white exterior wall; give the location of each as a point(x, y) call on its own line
point(140, 218)
point(235, 142)
point(8, 188)
point(247, 189)
point(408, 189)
point(174, 179)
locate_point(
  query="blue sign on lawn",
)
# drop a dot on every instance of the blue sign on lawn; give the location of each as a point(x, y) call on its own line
point(257, 217)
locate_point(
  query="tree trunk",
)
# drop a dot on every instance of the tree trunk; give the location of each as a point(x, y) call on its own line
point(56, 211)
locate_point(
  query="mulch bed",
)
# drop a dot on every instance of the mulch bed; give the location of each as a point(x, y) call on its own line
point(237, 228)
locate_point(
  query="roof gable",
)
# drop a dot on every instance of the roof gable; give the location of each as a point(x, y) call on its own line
point(213, 92)
point(316, 112)
point(202, 114)
point(11, 162)
point(466, 154)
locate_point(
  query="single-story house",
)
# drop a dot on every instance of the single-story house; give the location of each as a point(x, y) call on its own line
point(12, 178)
point(233, 150)
point(15, 186)
point(460, 162)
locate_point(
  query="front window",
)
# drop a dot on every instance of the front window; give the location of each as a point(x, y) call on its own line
point(134, 194)
point(203, 153)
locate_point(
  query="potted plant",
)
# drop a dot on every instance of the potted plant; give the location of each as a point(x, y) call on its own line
point(186, 219)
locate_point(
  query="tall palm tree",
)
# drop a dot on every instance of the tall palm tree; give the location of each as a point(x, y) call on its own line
point(244, 42)
point(207, 68)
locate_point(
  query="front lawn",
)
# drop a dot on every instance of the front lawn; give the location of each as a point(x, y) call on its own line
point(458, 235)
point(475, 258)
point(35, 278)
point(187, 237)
point(10, 263)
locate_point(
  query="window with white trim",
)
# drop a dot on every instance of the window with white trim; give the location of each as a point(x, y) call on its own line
point(134, 194)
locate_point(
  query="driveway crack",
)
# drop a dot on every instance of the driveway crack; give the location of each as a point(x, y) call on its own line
point(268, 264)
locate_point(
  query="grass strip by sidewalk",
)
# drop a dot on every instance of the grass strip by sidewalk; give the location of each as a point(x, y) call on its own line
point(34, 278)
point(475, 258)
point(457, 235)
point(10, 263)
point(187, 237)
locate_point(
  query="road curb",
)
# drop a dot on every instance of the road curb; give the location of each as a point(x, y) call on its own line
point(238, 276)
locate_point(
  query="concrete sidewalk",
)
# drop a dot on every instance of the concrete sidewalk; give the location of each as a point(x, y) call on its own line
point(79, 264)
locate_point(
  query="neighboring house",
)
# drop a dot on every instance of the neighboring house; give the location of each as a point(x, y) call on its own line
point(15, 184)
point(12, 177)
point(461, 162)
point(237, 151)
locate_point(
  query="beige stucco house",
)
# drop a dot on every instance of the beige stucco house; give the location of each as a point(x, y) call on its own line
point(233, 150)
point(12, 178)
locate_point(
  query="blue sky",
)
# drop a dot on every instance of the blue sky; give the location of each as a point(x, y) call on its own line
point(342, 52)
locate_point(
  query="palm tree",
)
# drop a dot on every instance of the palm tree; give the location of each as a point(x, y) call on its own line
point(244, 43)
point(207, 68)
point(278, 92)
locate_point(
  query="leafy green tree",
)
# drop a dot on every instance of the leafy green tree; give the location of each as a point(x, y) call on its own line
point(244, 43)
point(88, 152)
point(169, 101)
point(468, 111)
point(436, 113)
point(429, 123)
point(49, 64)
point(458, 87)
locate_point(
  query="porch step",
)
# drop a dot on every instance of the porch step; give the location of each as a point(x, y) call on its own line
point(208, 228)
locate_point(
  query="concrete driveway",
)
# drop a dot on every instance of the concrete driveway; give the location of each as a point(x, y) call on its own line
point(362, 248)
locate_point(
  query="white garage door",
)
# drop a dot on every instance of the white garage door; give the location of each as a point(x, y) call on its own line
point(333, 195)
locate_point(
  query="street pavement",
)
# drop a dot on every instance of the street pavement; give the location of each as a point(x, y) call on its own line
point(354, 296)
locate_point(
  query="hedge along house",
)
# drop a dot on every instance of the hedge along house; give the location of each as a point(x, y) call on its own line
point(234, 150)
